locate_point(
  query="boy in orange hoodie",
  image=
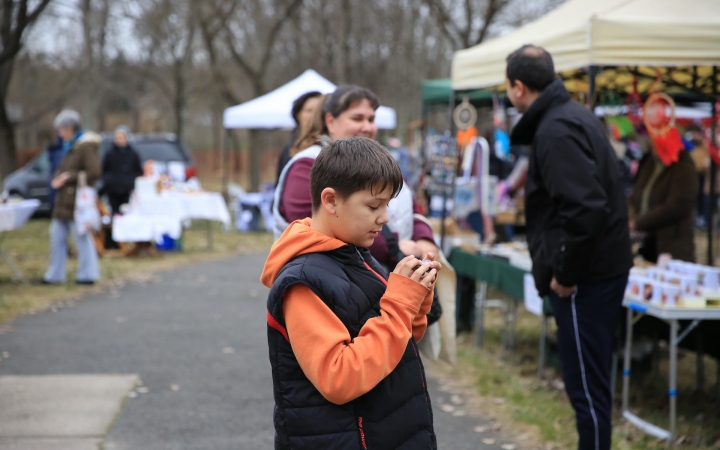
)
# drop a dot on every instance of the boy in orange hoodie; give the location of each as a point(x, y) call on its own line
point(342, 334)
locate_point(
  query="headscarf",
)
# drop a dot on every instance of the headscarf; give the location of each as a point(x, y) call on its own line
point(668, 146)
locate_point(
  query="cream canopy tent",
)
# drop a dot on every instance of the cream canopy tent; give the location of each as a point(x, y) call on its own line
point(681, 37)
point(272, 110)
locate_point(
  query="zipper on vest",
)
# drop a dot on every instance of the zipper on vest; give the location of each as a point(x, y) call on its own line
point(422, 370)
point(370, 268)
point(361, 430)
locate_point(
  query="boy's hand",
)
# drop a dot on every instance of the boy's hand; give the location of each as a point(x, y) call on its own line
point(424, 272)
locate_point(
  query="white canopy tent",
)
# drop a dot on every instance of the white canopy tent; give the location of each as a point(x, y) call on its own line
point(583, 33)
point(272, 110)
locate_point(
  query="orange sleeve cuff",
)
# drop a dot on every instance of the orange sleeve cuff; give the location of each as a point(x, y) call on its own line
point(420, 324)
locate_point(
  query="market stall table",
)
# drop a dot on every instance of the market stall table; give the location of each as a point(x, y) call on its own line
point(672, 315)
point(508, 278)
point(14, 215)
point(165, 213)
point(141, 228)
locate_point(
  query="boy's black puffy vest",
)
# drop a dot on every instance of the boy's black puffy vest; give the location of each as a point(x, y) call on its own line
point(395, 414)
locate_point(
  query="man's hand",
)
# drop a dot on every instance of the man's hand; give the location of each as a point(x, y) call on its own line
point(560, 290)
point(631, 224)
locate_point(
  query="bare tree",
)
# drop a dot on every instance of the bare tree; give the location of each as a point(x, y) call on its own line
point(177, 64)
point(94, 17)
point(247, 35)
point(465, 22)
point(15, 16)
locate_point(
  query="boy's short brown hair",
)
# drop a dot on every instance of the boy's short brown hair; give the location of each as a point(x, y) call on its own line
point(352, 165)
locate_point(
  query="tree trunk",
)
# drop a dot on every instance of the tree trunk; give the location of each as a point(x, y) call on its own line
point(8, 152)
point(179, 102)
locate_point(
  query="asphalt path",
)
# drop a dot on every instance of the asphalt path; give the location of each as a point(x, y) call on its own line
point(196, 337)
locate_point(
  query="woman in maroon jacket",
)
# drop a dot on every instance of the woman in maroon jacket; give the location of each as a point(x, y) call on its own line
point(347, 112)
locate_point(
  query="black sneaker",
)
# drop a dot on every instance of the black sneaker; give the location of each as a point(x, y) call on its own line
point(44, 282)
point(85, 282)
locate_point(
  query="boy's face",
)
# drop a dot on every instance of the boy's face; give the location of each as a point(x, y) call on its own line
point(360, 218)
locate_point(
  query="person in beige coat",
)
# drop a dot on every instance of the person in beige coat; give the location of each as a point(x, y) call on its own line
point(80, 155)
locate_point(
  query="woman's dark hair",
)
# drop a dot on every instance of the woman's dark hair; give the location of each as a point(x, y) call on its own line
point(532, 65)
point(351, 165)
point(299, 103)
point(346, 96)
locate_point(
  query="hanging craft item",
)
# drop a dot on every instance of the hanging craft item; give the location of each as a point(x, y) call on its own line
point(659, 113)
point(659, 118)
point(634, 105)
point(465, 115)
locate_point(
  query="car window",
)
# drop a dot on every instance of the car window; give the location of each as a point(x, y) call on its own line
point(41, 164)
point(160, 151)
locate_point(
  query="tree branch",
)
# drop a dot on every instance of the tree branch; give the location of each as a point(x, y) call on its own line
point(491, 12)
point(12, 37)
point(289, 11)
point(447, 25)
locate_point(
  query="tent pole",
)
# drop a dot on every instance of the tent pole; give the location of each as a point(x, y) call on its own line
point(423, 137)
point(592, 72)
point(224, 138)
point(713, 171)
point(443, 214)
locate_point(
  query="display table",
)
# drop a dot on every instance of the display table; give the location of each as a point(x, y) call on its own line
point(140, 228)
point(151, 216)
point(489, 269)
point(183, 206)
point(508, 278)
point(12, 217)
point(635, 311)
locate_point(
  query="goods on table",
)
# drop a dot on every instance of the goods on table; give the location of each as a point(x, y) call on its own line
point(681, 284)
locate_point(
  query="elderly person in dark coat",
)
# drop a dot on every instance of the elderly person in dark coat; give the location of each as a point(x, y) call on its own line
point(80, 150)
point(662, 204)
point(121, 165)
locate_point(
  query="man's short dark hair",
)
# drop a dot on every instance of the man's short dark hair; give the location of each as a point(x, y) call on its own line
point(299, 103)
point(352, 165)
point(532, 65)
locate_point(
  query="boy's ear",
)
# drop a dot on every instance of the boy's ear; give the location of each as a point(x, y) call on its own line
point(329, 200)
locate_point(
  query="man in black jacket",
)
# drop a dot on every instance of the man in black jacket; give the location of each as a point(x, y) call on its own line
point(577, 227)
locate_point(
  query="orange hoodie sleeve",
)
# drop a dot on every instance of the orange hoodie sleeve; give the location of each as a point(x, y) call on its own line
point(419, 325)
point(340, 368)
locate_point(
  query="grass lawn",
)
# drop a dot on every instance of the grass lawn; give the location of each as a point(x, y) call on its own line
point(30, 249)
point(541, 406)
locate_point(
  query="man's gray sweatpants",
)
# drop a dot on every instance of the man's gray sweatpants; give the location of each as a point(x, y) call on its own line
point(88, 266)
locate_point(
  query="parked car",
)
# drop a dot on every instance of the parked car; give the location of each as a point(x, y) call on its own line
point(31, 180)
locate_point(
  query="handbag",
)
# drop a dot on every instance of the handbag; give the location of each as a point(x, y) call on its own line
point(396, 256)
point(86, 214)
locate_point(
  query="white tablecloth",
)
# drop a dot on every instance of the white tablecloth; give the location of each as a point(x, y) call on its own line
point(14, 215)
point(183, 206)
point(151, 216)
point(139, 228)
